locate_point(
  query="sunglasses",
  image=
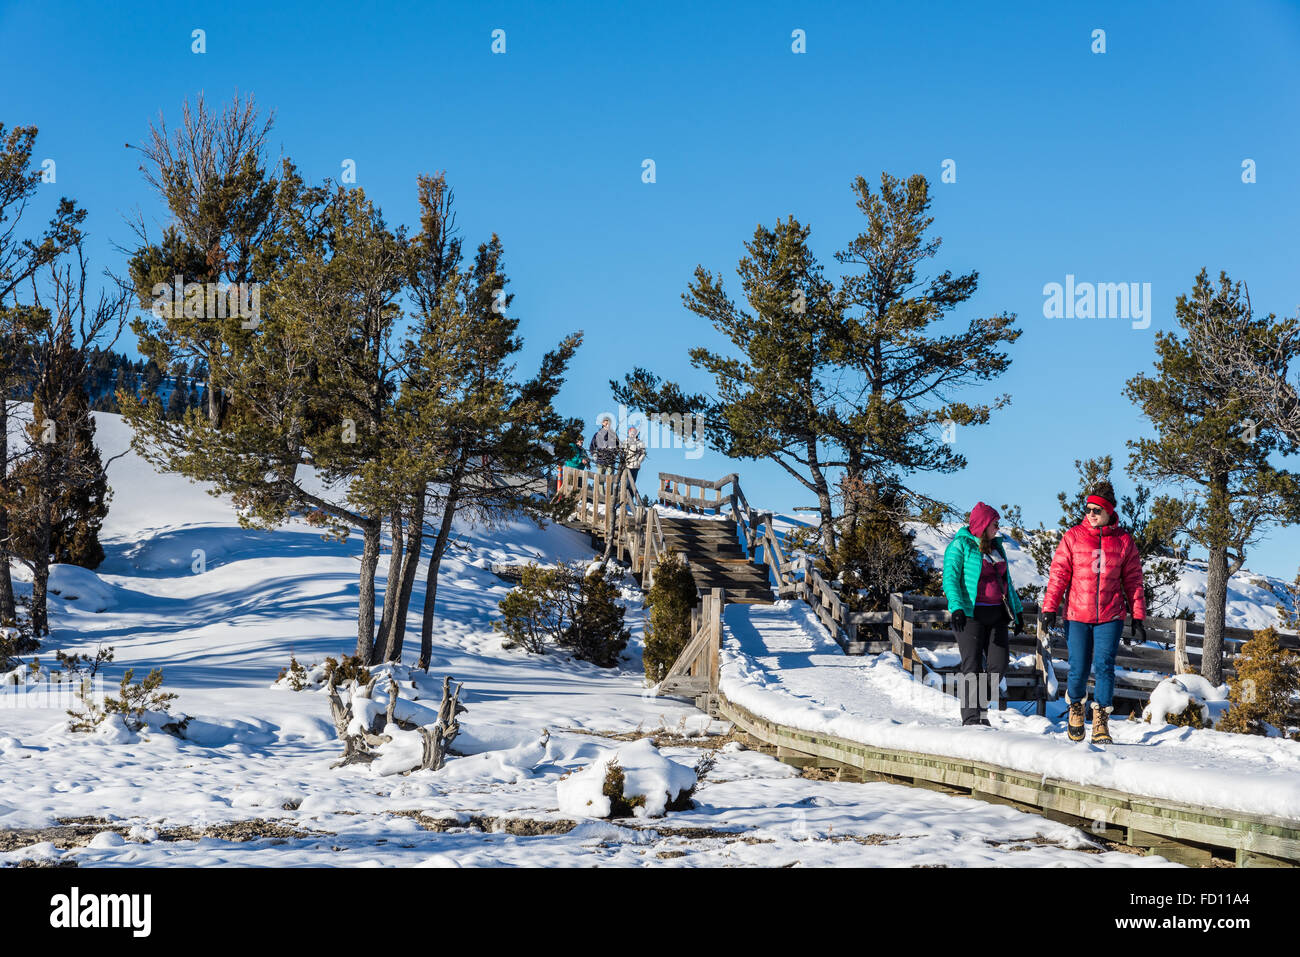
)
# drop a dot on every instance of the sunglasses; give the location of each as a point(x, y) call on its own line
point(1094, 510)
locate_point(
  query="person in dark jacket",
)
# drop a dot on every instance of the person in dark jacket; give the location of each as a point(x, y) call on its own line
point(604, 446)
point(1098, 562)
point(983, 603)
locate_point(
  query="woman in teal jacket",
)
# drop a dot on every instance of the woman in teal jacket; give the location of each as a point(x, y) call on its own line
point(983, 603)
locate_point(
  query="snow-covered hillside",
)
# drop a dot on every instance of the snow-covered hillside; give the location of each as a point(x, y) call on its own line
point(220, 609)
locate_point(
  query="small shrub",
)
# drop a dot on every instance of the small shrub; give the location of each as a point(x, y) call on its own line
point(595, 632)
point(531, 613)
point(352, 668)
point(132, 702)
point(619, 805)
point(668, 630)
point(75, 664)
point(1261, 692)
point(296, 674)
point(567, 608)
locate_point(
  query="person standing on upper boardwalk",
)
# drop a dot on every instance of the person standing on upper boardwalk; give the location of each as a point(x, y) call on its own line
point(983, 602)
point(634, 450)
point(1098, 562)
point(604, 445)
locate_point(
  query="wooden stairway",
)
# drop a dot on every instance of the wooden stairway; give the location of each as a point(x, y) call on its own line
point(717, 559)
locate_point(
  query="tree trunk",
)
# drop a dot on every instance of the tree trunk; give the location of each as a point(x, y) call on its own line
point(366, 612)
point(395, 636)
point(824, 506)
point(431, 580)
point(8, 611)
point(394, 570)
point(1216, 597)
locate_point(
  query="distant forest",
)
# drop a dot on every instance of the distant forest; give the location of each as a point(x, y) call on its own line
point(110, 371)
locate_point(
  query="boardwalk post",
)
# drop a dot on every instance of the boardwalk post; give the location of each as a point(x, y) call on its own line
point(1182, 665)
point(1042, 661)
point(715, 638)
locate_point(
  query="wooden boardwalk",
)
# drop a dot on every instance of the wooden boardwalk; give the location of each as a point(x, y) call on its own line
point(735, 555)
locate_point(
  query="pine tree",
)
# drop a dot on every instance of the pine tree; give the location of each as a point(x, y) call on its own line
point(212, 174)
point(1207, 443)
point(851, 380)
point(57, 495)
point(20, 259)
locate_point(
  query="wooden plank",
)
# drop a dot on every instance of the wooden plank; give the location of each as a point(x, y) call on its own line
point(1172, 820)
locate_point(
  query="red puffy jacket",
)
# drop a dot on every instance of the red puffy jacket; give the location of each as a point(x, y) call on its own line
point(1102, 569)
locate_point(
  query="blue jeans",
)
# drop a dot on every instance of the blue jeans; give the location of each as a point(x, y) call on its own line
point(1093, 647)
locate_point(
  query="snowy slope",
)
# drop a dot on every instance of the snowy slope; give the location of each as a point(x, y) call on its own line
point(254, 769)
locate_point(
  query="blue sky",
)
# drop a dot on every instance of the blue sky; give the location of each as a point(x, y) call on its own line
point(1123, 166)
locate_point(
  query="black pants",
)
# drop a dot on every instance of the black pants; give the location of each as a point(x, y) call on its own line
point(985, 647)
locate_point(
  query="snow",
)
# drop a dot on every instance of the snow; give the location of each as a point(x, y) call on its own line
point(220, 609)
point(1175, 693)
point(646, 774)
point(779, 662)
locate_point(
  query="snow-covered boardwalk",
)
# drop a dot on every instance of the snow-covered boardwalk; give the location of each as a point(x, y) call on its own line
point(781, 667)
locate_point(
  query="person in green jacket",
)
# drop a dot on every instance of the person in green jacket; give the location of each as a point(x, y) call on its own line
point(578, 460)
point(983, 603)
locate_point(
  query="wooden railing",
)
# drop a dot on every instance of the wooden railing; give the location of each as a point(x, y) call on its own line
point(610, 507)
point(695, 672)
point(907, 611)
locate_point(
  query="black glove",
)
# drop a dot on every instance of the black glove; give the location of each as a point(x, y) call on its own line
point(1139, 629)
point(1020, 625)
point(958, 620)
point(1049, 619)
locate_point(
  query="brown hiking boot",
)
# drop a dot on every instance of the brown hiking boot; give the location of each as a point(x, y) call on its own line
point(1100, 724)
point(1075, 727)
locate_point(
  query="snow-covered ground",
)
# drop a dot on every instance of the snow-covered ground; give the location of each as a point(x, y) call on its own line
point(220, 609)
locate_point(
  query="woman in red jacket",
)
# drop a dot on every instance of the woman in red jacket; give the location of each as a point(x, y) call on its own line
point(1097, 561)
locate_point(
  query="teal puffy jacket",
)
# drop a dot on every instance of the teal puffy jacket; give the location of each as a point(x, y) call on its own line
point(961, 573)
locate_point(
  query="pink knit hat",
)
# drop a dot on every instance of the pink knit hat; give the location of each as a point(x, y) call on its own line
point(981, 517)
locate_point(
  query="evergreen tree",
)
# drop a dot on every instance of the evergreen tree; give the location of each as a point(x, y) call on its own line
point(668, 602)
point(1207, 444)
point(1263, 691)
point(852, 380)
point(20, 259)
point(212, 174)
point(176, 401)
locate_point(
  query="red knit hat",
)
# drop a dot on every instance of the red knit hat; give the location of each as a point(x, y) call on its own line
point(1098, 500)
point(981, 517)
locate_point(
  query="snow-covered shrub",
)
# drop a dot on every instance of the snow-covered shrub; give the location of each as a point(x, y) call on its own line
point(295, 676)
point(669, 602)
point(569, 606)
point(636, 780)
point(1186, 701)
point(1263, 691)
